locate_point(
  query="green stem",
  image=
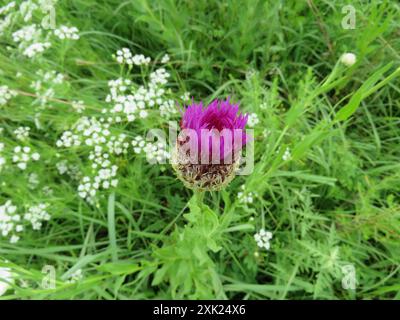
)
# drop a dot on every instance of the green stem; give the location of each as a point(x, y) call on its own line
point(199, 198)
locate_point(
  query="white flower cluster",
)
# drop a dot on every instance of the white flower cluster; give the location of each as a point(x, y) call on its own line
point(78, 106)
point(168, 108)
point(52, 76)
point(154, 151)
point(263, 238)
point(29, 39)
point(127, 104)
point(93, 131)
point(105, 179)
point(27, 34)
point(287, 155)
point(22, 133)
point(132, 100)
point(44, 86)
point(22, 155)
point(5, 9)
point(129, 101)
point(186, 96)
point(159, 77)
point(252, 120)
point(95, 134)
point(6, 278)
point(10, 222)
point(138, 144)
point(64, 167)
point(125, 56)
point(245, 197)
point(118, 144)
point(165, 58)
point(36, 48)
point(6, 94)
point(36, 215)
point(68, 139)
point(33, 38)
point(64, 32)
point(133, 104)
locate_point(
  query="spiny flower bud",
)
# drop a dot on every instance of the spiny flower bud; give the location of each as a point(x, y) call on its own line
point(207, 152)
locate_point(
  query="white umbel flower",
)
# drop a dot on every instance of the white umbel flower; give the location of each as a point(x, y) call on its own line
point(125, 56)
point(65, 32)
point(165, 58)
point(348, 59)
point(10, 222)
point(22, 133)
point(263, 238)
point(252, 120)
point(6, 94)
point(36, 215)
point(245, 197)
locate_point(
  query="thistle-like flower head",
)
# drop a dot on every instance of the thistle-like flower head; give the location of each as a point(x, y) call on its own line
point(208, 149)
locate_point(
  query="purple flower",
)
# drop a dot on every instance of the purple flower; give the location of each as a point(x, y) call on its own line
point(220, 130)
point(207, 153)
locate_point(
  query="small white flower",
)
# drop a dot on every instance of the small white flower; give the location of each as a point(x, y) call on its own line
point(35, 156)
point(287, 155)
point(22, 133)
point(125, 56)
point(165, 58)
point(36, 48)
point(6, 94)
point(245, 197)
point(348, 59)
point(78, 106)
point(185, 96)
point(263, 238)
point(252, 120)
point(36, 215)
point(10, 222)
point(65, 32)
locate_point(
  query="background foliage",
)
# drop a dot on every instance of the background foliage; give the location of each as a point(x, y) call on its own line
point(335, 202)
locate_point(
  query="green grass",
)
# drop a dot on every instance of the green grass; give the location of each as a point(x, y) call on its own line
point(335, 202)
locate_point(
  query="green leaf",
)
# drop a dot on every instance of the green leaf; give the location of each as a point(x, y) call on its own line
point(365, 90)
point(119, 268)
point(111, 226)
